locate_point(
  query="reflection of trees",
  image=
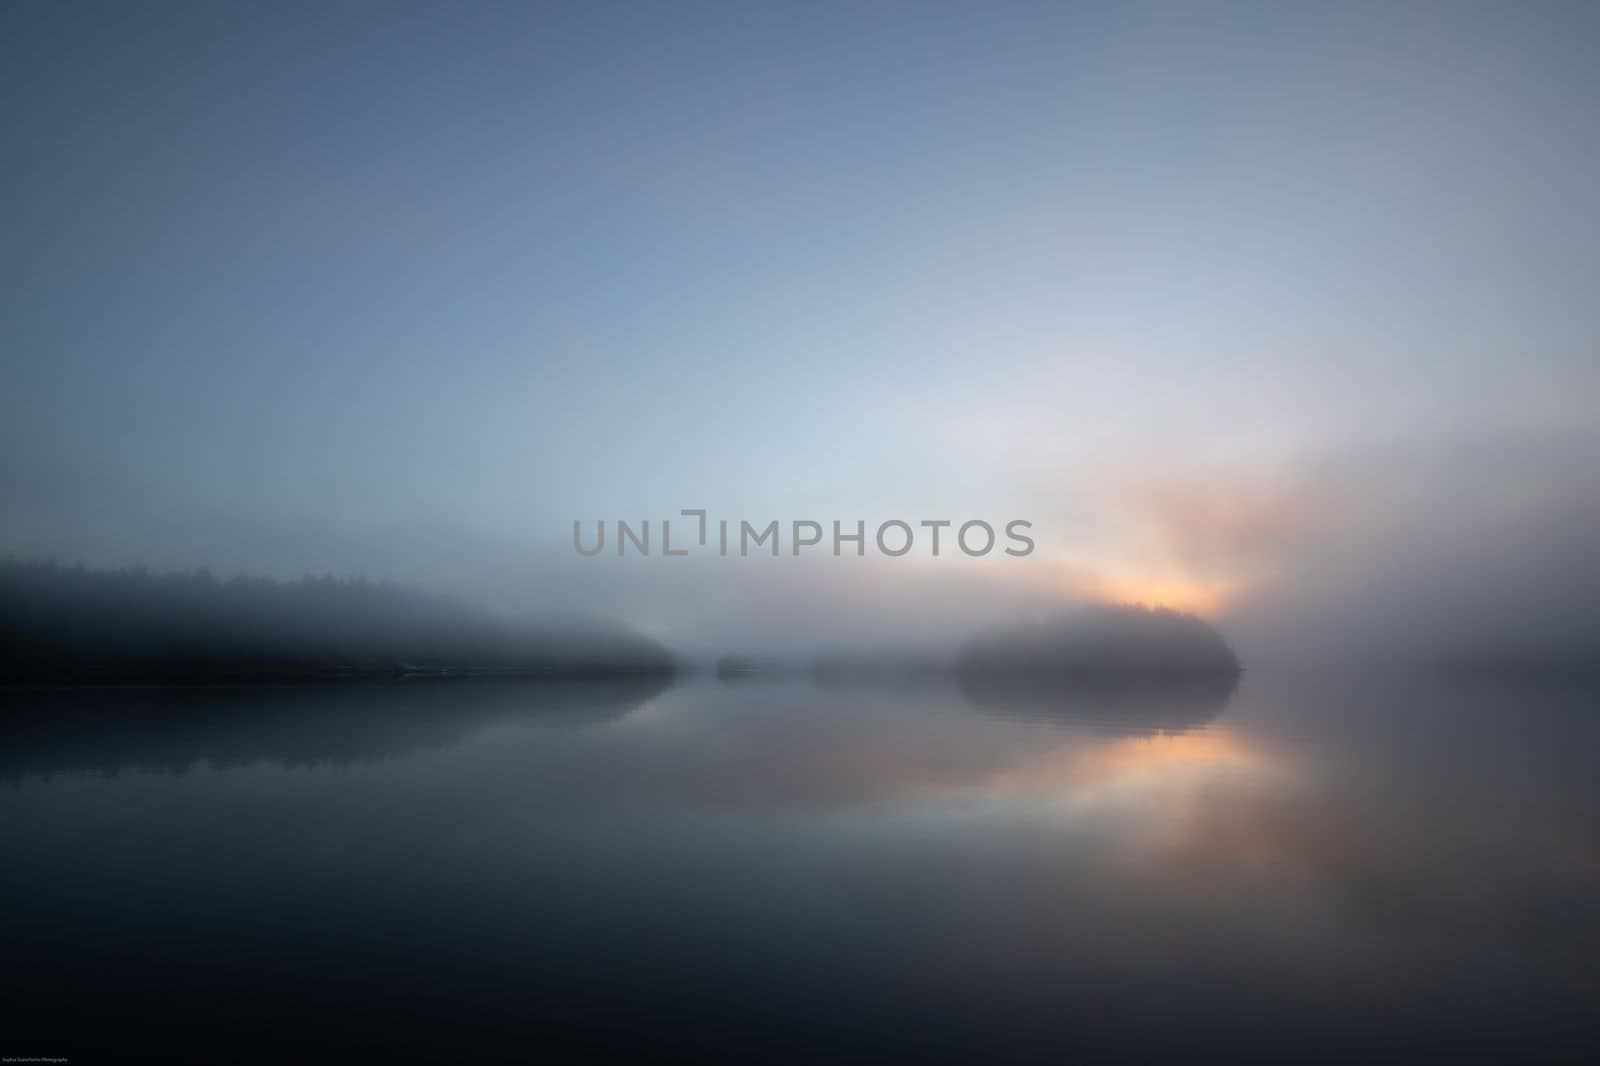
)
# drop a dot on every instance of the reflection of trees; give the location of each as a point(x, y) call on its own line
point(1118, 703)
point(46, 731)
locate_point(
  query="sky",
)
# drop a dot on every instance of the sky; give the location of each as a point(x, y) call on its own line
point(1279, 313)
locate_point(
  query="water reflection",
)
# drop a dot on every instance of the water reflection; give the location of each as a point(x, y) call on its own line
point(1161, 777)
point(1134, 704)
point(45, 731)
point(1330, 869)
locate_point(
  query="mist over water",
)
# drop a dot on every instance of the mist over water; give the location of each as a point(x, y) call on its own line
point(1273, 326)
point(1296, 869)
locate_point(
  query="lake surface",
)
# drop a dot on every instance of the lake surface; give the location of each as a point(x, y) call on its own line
point(1303, 868)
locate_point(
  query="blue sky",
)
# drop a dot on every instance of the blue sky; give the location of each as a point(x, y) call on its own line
point(402, 289)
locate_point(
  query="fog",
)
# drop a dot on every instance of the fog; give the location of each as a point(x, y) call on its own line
point(1480, 554)
point(1279, 316)
point(1478, 550)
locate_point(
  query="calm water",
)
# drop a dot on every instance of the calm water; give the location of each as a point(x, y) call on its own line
point(1299, 869)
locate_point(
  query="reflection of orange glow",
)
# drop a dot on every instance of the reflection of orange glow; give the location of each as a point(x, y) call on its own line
point(1162, 779)
point(1208, 807)
point(1161, 756)
point(1167, 756)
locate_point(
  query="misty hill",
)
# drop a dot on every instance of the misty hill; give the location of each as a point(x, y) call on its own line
point(1095, 646)
point(1101, 645)
point(76, 625)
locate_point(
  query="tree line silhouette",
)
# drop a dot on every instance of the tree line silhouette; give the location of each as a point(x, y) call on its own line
point(71, 624)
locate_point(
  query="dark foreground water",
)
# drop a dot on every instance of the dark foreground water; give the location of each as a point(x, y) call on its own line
point(1302, 869)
